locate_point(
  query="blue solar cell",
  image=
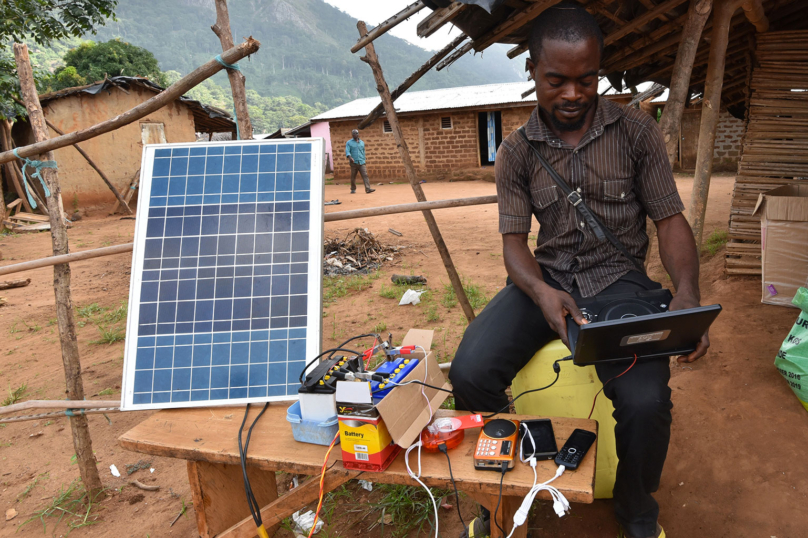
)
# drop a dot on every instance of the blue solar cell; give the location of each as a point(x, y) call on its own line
point(223, 264)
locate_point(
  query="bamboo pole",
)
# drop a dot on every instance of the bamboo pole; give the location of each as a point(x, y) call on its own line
point(61, 280)
point(237, 84)
point(719, 39)
point(368, 37)
point(59, 404)
point(381, 85)
point(671, 119)
point(169, 95)
point(329, 217)
point(412, 79)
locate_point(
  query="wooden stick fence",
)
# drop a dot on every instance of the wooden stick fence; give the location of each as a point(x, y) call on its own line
point(329, 217)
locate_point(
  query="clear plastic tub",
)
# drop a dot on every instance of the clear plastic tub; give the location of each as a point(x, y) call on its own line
point(309, 431)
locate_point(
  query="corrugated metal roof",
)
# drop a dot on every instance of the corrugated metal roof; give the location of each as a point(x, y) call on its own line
point(446, 98)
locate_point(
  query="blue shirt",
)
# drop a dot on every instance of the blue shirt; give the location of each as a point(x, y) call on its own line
point(356, 150)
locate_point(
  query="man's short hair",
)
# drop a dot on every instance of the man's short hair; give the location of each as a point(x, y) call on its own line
point(566, 21)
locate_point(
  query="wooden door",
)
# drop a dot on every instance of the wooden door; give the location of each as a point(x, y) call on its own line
point(689, 139)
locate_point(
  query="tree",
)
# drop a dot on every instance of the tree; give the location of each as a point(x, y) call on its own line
point(94, 61)
point(46, 20)
point(42, 21)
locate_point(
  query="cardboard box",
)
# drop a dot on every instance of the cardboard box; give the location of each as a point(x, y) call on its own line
point(784, 242)
point(405, 411)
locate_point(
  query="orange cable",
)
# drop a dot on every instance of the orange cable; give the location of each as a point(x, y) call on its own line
point(322, 481)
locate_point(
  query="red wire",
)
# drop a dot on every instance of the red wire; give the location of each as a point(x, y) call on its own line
point(322, 481)
point(604, 386)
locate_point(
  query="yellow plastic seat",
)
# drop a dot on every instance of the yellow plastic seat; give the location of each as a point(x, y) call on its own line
point(570, 397)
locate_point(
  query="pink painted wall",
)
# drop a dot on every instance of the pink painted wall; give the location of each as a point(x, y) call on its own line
point(321, 130)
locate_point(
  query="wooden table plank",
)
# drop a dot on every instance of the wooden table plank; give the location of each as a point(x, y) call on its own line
point(209, 434)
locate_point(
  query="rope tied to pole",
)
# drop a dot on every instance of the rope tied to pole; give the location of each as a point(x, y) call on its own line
point(74, 412)
point(234, 67)
point(37, 166)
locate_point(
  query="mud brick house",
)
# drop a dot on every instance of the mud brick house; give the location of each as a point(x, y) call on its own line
point(117, 153)
point(447, 129)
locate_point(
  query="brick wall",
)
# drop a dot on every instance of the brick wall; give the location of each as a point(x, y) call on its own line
point(728, 138)
point(432, 148)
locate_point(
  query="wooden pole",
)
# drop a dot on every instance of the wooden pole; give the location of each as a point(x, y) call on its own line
point(671, 119)
point(412, 79)
point(58, 404)
point(367, 38)
point(95, 167)
point(237, 85)
point(329, 217)
point(381, 86)
point(169, 95)
point(61, 281)
point(5, 141)
point(710, 109)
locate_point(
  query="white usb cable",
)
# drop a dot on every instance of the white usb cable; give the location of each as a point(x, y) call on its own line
point(560, 504)
point(417, 478)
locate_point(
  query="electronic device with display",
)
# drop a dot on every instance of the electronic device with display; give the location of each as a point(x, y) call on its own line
point(622, 326)
point(496, 445)
point(538, 440)
point(575, 449)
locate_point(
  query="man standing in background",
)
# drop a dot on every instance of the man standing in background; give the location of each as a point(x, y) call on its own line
point(355, 151)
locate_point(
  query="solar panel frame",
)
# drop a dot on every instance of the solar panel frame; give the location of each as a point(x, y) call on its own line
point(260, 339)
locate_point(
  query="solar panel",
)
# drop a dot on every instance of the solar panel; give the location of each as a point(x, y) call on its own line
point(224, 303)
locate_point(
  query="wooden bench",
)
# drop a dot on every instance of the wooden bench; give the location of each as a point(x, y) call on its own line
point(207, 439)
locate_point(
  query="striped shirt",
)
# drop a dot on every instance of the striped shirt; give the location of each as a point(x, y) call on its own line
point(621, 169)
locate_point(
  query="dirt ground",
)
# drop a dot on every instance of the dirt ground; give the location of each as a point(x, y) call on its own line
point(739, 434)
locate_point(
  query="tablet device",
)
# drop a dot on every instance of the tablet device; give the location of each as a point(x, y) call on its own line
point(647, 336)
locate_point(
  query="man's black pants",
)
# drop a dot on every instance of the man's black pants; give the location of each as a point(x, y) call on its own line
point(503, 339)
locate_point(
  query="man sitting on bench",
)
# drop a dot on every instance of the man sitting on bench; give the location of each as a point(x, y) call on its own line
point(615, 159)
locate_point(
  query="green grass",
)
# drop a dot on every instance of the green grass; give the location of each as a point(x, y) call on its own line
point(716, 241)
point(32, 485)
point(109, 335)
point(410, 507)
point(380, 327)
point(335, 287)
point(14, 395)
point(475, 294)
point(431, 313)
point(89, 311)
point(117, 315)
point(71, 505)
point(107, 392)
point(396, 291)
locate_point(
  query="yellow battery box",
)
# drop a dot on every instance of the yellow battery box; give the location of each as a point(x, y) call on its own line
point(366, 443)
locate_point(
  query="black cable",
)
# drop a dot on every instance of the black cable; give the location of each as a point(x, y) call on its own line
point(255, 509)
point(499, 499)
point(556, 369)
point(349, 340)
point(303, 373)
point(442, 448)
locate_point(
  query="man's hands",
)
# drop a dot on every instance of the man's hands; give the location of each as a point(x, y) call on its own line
point(556, 305)
point(350, 158)
point(680, 302)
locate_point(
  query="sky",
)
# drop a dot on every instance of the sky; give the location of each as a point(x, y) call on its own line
point(373, 12)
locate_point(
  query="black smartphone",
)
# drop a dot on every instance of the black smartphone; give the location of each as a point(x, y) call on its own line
point(575, 449)
point(538, 439)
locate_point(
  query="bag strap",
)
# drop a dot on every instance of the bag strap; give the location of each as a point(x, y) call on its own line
point(601, 231)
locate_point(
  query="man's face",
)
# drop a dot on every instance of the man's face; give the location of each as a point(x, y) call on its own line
point(566, 76)
point(355, 135)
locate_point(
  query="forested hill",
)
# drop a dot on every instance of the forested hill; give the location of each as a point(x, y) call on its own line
point(305, 48)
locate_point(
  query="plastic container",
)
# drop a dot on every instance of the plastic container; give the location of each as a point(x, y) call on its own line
point(308, 431)
point(570, 397)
